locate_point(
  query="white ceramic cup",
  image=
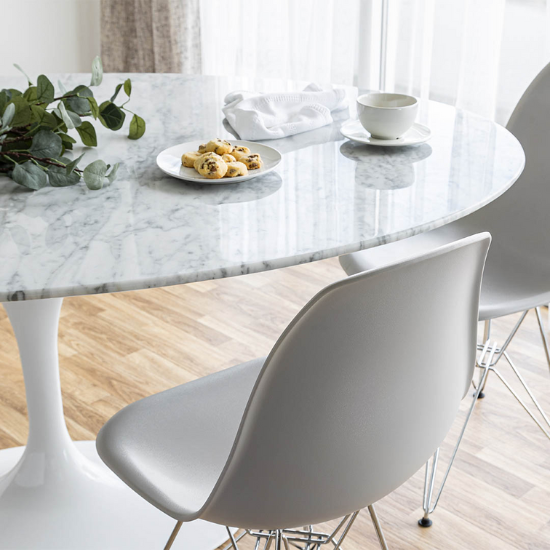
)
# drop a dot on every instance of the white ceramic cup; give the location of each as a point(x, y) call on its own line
point(386, 116)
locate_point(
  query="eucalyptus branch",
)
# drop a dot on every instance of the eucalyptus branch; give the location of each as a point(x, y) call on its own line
point(45, 160)
point(57, 99)
point(44, 126)
point(14, 140)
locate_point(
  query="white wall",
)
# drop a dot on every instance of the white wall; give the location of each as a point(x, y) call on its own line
point(49, 36)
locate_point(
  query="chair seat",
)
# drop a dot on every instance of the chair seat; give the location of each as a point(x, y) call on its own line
point(510, 284)
point(172, 447)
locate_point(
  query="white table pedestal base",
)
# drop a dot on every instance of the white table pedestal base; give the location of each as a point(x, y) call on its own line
point(56, 494)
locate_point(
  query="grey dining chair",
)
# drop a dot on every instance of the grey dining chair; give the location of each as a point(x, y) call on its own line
point(355, 396)
point(517, 274)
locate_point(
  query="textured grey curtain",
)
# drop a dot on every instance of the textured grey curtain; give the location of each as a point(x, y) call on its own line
point(150, 36)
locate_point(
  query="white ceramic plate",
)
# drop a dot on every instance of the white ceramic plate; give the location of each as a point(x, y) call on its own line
point(169, 161)
point(417, 134)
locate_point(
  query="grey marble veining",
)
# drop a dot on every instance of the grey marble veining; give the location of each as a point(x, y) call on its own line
point(329, 196)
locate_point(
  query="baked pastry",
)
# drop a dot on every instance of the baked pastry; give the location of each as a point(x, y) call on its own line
point(240, 151)
point(188, 159)
point(236, 169)
point(228, 158)
point(211, 167)
point(252, 162)
point(202, 149)
point(219, 146)
point(204, 156)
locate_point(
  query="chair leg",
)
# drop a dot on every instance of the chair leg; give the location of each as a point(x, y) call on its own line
point(378, 528)
point(486, 337)
point(173, 535)
point(429, 504)
point(520, 401)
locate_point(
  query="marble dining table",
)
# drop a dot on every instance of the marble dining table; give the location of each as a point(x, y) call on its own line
point(329, 196)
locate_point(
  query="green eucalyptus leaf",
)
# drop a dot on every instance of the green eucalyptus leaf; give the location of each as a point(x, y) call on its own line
point(14, 92)
point(4, 100)
point(94, 108)
point(8, 115)
point(137, 127)
point(112, 174)
point(67, 141)
point(37, 113)
point(62, 88)
point(23, 113)
point(60, 125)
point(87, 134)
point(30, 94)
point(8, 93)
point(76, 120)
point(66, 138)
point(59, 177)
point(111, 116)
point(30, 175)
point(128, 87)
point(72, 165)
point(94, 174)
point(80, 103)
point(97, 72)
point(65, 116)
point(46, 144)
point(45, 91)
point(24, 73)
point(42, 117)
point(117, 89)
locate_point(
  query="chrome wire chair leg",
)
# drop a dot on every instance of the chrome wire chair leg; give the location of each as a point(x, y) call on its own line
point(429, 504)
point(486, 338)
point(429, 482)
point(504, 347)
point(543, 335)
point(234, 540)
point(303, 539)
point(338, 545)
point(173, 535)
point(378, 528)
point(520, 401)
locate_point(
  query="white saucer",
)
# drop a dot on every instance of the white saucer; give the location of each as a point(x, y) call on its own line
point(417, 134)
point(169, 161)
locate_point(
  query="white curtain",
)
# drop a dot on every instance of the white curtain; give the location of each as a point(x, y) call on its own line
point(476, 54)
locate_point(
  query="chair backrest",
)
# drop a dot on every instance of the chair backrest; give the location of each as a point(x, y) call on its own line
point(519, 219)
point(357, 393)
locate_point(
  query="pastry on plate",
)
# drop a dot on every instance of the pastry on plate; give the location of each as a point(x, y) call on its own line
point(252, 162)
point(188, 159)
point(204, 156)
point(219, 146)
point(202, 148)
point(236, 169)
point(211, 167)
point(240, 151)
point(228, 158)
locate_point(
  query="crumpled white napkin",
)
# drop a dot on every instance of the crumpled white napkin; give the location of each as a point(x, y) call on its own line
point(256, 116)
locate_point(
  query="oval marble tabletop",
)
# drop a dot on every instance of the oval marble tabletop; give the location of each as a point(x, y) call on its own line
point(329, 196)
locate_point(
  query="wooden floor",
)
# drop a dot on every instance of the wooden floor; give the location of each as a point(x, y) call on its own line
point(117, 348)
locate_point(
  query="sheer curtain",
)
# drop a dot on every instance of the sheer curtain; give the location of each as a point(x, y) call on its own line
point(478, 55)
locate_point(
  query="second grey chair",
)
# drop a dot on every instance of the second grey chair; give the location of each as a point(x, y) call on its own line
point(355, 396)
point(517, 275)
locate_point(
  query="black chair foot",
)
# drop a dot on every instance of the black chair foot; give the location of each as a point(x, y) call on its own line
point(481, 395)
point(425, 522)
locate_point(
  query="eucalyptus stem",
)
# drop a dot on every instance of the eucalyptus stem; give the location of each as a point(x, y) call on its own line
point(45, 160)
